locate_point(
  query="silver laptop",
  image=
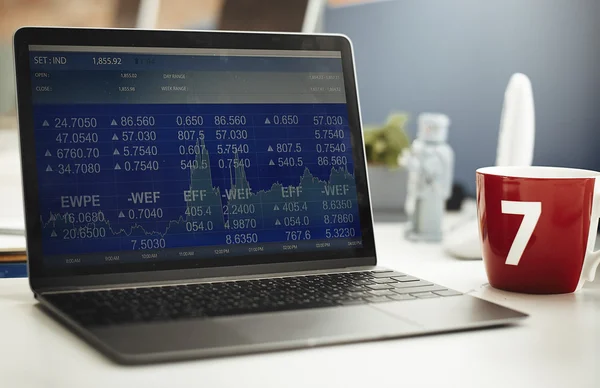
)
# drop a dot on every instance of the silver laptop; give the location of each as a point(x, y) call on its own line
point(199, 194)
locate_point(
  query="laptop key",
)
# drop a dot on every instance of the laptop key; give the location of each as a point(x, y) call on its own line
point(361, 294)
point(384, 280)
point(407, 278)
point(362, 282)
point(356, 289)
point(356, 275)
point(428, 288)
point(380, 287)
point(447, 293)
point(387, 274)
point(401, 297)
point(381, 293)
point(418, 283)
point(425, 295)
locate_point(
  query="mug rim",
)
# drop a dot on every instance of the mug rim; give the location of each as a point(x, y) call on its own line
point(538, 172)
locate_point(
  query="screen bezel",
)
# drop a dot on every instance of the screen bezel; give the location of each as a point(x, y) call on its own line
point(47, 276)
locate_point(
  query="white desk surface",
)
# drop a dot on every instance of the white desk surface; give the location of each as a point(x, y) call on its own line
point(558, 346)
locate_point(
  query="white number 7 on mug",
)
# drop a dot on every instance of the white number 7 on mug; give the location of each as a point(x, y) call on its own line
point(531, 212)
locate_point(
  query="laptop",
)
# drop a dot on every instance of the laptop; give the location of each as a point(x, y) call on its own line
point(198, 194)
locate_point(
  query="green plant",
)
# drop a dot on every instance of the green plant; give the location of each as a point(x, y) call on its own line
point(384, 144)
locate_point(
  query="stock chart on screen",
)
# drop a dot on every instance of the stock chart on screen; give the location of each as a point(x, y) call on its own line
point(162, 156)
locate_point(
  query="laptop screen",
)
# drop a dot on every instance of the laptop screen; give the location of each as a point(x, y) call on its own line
point(162, 154)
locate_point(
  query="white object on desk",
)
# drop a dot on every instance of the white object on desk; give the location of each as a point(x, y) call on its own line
point(515, 148)
point(11, 203)
point(557, 346)
point(12, 243)
point(430, 165)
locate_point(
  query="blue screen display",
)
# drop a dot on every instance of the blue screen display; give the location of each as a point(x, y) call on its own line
point(163, 155)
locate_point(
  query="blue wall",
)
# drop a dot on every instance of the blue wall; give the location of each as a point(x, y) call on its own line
point(456, 56)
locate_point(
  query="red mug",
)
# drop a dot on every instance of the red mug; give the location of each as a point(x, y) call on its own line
point(538, 226)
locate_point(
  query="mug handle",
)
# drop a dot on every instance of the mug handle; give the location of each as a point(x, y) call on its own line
point(592, 258)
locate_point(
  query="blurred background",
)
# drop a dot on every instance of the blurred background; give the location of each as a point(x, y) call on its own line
point(412, 56)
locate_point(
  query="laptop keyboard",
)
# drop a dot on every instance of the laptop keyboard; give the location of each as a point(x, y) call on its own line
point(163, 303)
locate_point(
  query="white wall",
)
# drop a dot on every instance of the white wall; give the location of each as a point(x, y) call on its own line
point(456, 56)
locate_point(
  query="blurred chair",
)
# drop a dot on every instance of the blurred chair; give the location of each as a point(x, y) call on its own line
point(272, 15)
point(7, 82)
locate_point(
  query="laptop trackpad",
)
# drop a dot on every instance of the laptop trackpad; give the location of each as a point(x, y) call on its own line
point(312, 325)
